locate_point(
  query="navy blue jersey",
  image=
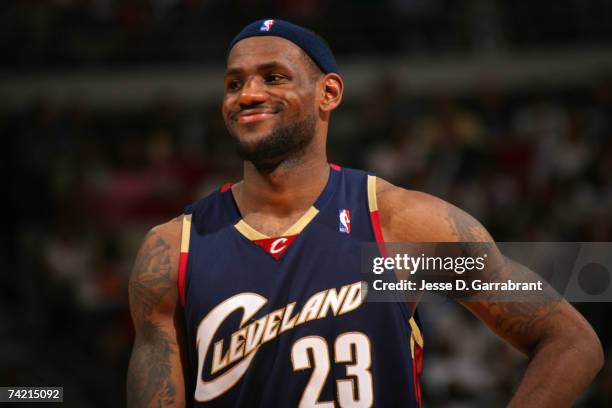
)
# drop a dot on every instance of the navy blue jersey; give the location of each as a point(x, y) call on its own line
point(280, 321)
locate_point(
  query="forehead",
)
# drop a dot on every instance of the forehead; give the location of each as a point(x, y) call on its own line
point(258, 50)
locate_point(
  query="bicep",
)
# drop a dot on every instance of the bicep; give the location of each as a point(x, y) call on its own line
point(409, 216)
point(155, 373)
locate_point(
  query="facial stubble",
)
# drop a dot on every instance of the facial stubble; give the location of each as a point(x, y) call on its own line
point(282, 145)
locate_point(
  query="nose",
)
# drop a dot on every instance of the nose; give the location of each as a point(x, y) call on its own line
point(252, 93)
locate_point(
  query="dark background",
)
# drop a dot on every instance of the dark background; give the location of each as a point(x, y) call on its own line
point(110, 120)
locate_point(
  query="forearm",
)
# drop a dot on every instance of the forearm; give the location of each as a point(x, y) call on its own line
point(154, 379)
point(559, 371)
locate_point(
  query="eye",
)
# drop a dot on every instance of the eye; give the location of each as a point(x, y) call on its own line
point(274, 78)
point(233, 84)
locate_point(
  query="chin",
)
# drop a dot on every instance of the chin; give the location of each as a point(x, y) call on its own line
point(251, 139)
point(251, 133)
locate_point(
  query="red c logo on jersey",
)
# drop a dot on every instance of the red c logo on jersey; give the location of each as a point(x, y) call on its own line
point(275, 249)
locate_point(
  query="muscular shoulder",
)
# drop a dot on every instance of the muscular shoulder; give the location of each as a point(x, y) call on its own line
point(414, 216)
point(154, 275)
point(169, 232)
point(162, 243)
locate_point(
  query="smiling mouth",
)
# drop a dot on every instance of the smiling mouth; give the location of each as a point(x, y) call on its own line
point(254, 117)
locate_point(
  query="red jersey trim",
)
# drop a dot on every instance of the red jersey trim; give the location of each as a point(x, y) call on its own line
point(181, 276)
point(184, 255)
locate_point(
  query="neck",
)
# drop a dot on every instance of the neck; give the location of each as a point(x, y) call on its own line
point(291, 187)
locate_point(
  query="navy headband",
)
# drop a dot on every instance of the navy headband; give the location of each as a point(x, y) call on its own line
point(308, 41)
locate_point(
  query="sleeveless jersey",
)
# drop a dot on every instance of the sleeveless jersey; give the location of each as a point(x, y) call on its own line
point(280, 321)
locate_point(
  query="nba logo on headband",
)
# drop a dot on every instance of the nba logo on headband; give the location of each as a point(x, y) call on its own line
point(308, 41)
point(266, 25)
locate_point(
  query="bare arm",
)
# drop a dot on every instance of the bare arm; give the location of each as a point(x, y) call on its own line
point(155, 373)
point(564, 351)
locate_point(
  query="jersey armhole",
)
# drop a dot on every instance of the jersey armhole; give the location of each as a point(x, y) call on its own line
point(184, 254)
point(416, 337)
point(374, 217)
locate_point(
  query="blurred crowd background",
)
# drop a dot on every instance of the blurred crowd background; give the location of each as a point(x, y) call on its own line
point(531, 160)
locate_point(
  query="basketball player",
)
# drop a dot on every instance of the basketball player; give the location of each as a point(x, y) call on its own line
point(252, 298)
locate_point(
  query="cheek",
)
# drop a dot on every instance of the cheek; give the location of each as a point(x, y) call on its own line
point(299, 102)
point(225, 110)
point(305, 105)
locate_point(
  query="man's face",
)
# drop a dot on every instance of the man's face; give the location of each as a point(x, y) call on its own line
point(269, 98)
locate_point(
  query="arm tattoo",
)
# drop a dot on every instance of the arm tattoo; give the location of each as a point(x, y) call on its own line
point(529, 317)
point(522, 322)
point(152, 276)
point(149, 375)
point(150, 369)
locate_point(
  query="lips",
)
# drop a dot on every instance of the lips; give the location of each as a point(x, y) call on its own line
point(254, 115)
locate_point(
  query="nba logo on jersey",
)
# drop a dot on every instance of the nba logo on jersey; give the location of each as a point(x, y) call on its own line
point(266, 25)
point(345, 221)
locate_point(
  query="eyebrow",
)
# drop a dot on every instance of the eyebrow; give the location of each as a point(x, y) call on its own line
point(261, 67)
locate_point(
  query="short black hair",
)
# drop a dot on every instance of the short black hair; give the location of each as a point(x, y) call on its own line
point(313, 69)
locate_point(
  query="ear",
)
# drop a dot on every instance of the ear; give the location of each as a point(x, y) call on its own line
point(332, 92)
